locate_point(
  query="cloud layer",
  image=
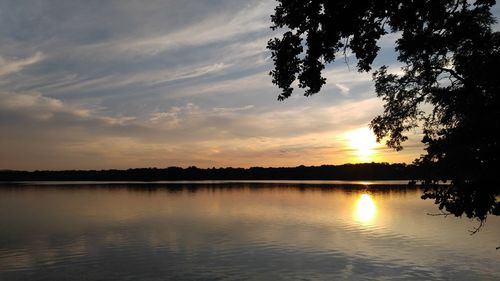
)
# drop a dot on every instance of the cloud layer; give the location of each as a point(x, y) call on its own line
point(120, 84)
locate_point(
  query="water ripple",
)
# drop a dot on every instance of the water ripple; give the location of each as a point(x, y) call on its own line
point(233, 235)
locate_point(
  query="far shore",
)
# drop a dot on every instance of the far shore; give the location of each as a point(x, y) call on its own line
point(366, 173)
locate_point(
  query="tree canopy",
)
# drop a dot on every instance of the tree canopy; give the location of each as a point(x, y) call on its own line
point(448, 85)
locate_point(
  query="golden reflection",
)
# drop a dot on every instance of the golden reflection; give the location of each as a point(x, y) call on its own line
point(365, 209)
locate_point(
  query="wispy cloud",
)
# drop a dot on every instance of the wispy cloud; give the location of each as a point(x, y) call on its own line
point(16, 65)
point(220, 28)
point(158, 83)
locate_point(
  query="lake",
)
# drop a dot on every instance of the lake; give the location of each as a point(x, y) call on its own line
point(237, 231)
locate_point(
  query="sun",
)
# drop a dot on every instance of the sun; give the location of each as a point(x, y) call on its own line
point(363, 143)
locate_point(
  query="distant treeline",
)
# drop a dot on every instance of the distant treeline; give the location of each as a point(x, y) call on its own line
point(368, 171)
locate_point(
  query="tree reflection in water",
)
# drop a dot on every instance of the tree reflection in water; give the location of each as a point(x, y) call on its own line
point(474, 200)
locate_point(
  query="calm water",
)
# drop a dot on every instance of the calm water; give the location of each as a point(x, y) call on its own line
point(236, 231)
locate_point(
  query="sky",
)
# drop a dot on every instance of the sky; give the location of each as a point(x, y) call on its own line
point(121, 84)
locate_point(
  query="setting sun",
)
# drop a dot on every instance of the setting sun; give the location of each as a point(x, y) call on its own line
point(363, 143)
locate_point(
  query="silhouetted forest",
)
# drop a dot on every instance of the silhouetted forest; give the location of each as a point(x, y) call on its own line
point(368, 171)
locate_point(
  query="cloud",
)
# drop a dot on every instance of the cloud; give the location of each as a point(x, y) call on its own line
point(35, 110)
point(34, 105)
point(68, 136)
point(344, 90)
point(128, 83)
point(16, 65)
point(191, 123)
point(29, 100)
point(172, 119)
point(232, 109)
point(219, 28)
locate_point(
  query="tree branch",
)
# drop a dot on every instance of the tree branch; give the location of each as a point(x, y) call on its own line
point(452, 73)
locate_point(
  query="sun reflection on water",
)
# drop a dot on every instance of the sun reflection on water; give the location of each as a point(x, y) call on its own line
point(366, 209)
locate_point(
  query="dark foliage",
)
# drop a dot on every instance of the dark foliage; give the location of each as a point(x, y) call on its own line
point(449, 86)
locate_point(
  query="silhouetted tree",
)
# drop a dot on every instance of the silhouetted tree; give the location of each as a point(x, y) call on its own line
point(449, 83)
